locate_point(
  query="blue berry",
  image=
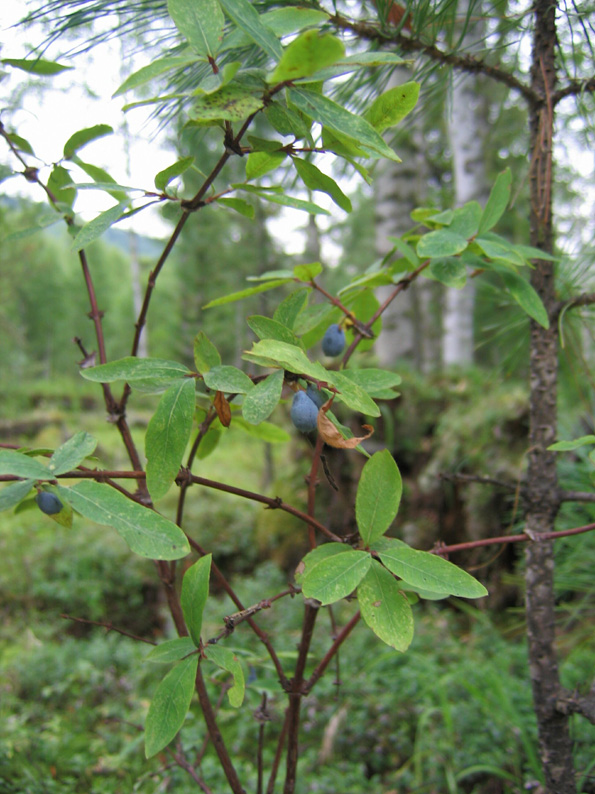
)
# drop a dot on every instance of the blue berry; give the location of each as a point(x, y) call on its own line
point(317, 396)
point(48, 503)
point(304, 412)
point(333, 341)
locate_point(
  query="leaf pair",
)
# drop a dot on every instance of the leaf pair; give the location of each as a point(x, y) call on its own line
point(334, 570)
point(172, 698)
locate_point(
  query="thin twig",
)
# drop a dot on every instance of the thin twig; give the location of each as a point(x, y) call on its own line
point(107, 627)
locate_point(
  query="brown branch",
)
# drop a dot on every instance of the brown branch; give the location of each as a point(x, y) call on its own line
point(403, 284)
point(587, 299)
point(262, 636)
point(463, 63)
point(296, 694)
point(574, 88)
point(450, 476)
point(474, 544)
point(339, 640)
point(278, 754)
point(107, 627)
point(574, 703)
point(215, 734)
point(273, 503)
point(187, 767)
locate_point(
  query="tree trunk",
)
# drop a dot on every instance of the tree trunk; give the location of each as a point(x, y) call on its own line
point(411, 325)
point(466, 131)
point(554, 737)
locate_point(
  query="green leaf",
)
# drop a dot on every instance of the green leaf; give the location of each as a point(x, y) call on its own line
point(385, 608)
point(498, 248)
point(352, 394)
point(497, 202)
point(337, 118)
point(170, 705)
point(201, 24)
point(405, 250)
point(239, 205)
point(465, 220)
point(314, 179)
point(333, 574)
point(227, 660)
point(19, 143)
point(428, 571)
point(85, 136)
point(247, 18)
point(265, 431)
point(529, 252)
point(266, 328)
point(167, 436)
point(441, 243)
point(101, 177)
point(391, 107)
point(306, 55)
point(231, 103)
point(271, 275)
point(95, 228)
point(228, 379)
point(286, 121)
point(209, 442)
point(14, 493)
point(307, 272)
point(12, 462)
point(288, 310)
point(36, 66)
point(449, 271)
point(377, 58)
point(260, 163)
point(374, 381)
point(527, 298)
point(568, 446)
point(145, 531)
point(164, 177)
point(263, 399)
point(72, 453)
point(246, 293)
point(195, 591)
point(171, 651)
point(289, 357)
point(206, 354)
point(132, 369)
point(378, 496)
point(281, 21)
point(57, 181)
point(147, 73)
point(285, 201)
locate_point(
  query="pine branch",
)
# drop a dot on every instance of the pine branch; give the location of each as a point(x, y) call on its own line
point(574, 88)
point(573, 703)
point(463, 63)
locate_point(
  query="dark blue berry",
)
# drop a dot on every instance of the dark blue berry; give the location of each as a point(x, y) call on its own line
point(304, 412)
point(48, 503)
point(317, 396)
point(333, 341)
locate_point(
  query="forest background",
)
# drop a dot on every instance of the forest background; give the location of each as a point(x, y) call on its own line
point(450, 716)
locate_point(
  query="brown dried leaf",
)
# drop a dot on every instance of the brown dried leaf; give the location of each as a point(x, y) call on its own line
point(223, 409)
point(331, 436)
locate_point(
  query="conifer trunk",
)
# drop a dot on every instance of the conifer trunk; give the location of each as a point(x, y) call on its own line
point(554, 737)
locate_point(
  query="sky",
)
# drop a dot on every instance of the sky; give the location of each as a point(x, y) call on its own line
point(82, 97)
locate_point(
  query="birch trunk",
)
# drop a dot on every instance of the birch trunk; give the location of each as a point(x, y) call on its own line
point(410, 327)
point(466, 125)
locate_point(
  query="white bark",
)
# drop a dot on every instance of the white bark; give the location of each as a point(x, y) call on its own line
point(466, 130)
point(398, 189)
